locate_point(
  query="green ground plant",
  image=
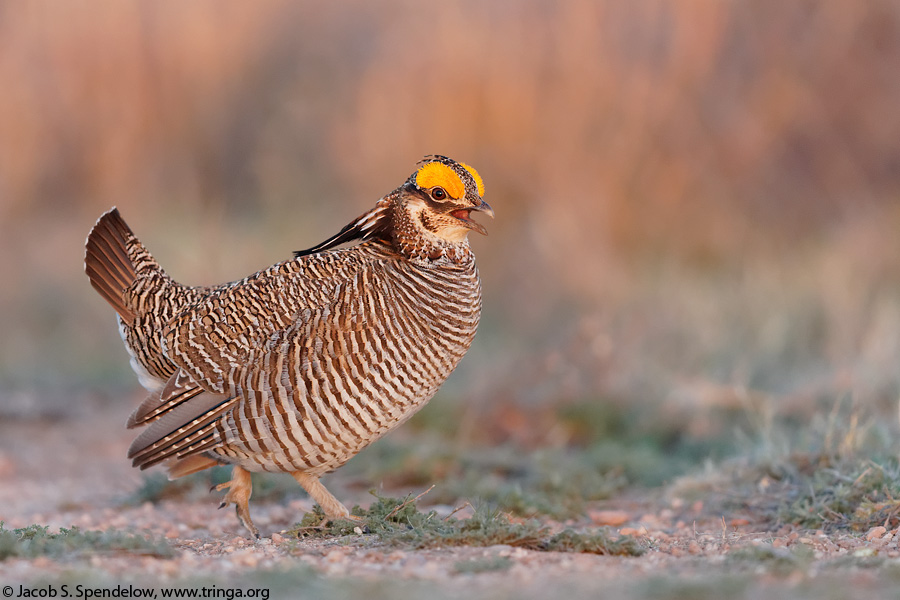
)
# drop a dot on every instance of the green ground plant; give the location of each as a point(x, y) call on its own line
point(608, 449)
point(779, 561)
point(855, 494)
point(398, 522)
point(486, 564)
point(37, 540)
point(839, 471)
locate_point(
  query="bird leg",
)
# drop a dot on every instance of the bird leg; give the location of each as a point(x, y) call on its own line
point(239, 489)
point(330, 505)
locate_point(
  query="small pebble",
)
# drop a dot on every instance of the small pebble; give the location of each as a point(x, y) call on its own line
point(613, 518)
point(250, 560)
point(875, 532)
point(334, 556)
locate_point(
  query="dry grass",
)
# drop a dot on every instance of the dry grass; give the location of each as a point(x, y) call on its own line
point(727, 186)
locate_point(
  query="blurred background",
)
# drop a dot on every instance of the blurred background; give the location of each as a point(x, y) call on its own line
point(697, 203)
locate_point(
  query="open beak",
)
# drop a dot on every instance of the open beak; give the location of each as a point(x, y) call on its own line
point(464, 215)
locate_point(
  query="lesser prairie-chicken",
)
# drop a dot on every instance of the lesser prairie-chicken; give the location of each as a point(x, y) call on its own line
point(297, 367)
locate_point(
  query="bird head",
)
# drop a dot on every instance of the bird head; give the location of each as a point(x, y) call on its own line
point(440, 197)
point(429, 213)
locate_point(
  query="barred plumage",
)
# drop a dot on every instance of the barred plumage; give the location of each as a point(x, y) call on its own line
point(299, 366)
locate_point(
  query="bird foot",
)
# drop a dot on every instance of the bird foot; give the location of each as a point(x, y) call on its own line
point(239, 490)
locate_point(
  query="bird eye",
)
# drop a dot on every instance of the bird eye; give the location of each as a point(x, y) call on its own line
point(438, 193)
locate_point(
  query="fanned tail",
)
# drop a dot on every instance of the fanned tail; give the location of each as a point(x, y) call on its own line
point(107, 263)
point(182, 415)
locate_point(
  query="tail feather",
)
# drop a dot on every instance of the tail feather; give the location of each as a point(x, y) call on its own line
point(192, 464)
point(107, 263)
point(187, 429)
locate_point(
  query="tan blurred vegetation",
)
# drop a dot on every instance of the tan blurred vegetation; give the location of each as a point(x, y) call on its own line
point(697, 201)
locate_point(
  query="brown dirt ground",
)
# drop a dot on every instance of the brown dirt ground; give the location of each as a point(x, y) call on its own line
point(73, 471)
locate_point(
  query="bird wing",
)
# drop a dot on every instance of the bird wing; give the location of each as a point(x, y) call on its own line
point(246, 340)
point(230, 336)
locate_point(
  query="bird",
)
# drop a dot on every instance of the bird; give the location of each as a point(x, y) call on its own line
point(297, 367)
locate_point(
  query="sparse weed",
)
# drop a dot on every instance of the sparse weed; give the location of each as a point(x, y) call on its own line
point(398, 522)
point(839, 471)
point(780, 561)
point(36, 540)
point(483, 565)
point(853, 494)
point(598, 542)
point(553, 482)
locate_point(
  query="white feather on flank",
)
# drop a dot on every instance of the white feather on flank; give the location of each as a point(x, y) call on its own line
point(148, 381)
